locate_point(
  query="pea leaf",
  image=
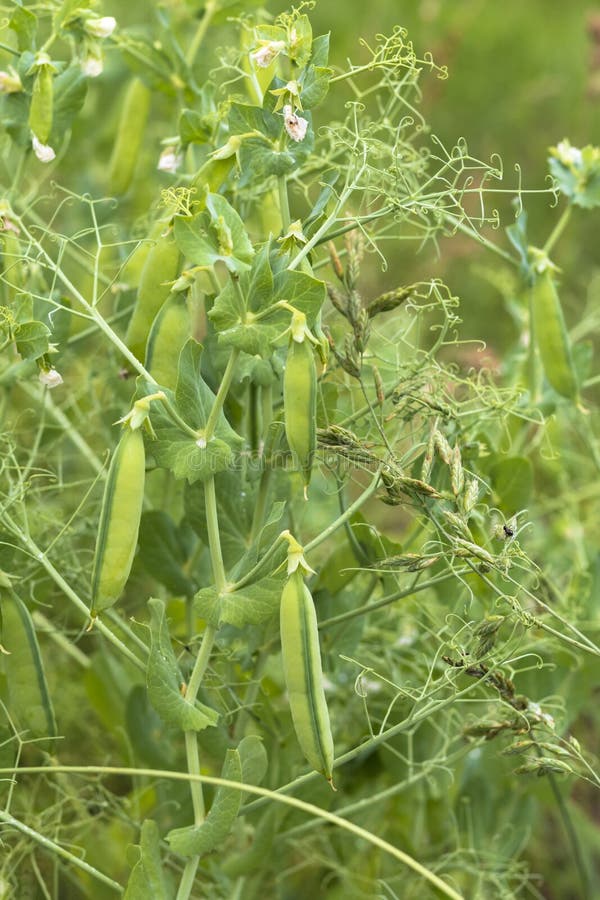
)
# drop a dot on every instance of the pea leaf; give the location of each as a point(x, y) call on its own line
point(193, 400)
point(302, 291)
point(147, 877)
point(320, 50)
point(31, 339)
point(251, 605)
point(164, 679)
point(70, 90)
point(163, 551)
point(233, 311)
point(248, 763)
point(217, 233)
point(24, 23)
point(315, 86)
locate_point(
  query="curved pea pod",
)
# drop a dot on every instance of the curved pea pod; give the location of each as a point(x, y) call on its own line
point(303, 675)
point(130, 133)
point(28, 697)
point(550, 331)
point(170, 330)
point(40, 109)
point(119, 520)
point(300, 404)
point(161, 266)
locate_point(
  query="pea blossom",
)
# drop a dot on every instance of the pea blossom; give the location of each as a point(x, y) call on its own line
point(101, 28)
point(44, 152)
point(294, 125)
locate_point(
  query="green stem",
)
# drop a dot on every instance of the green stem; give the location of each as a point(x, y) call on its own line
point(266, 794)
point(210, 9)
point(571, 835)
point(558, 230)
point(191, 739)
point(385, 601)
point(57, 850)
point(214, 539)
point(217, 407)
point(284, 204)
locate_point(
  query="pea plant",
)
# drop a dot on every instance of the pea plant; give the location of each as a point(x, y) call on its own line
point(287, 576)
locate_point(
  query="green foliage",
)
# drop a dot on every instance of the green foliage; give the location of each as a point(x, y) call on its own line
point(264, 182)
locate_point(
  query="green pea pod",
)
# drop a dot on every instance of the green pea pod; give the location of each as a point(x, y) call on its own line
point(40, 110)
point(130, 134)
point(551, 333)
point(119, 520)
point(161, 266)
point(29, 700)
point(300, 405)
point(170, 330)
point(303, 674)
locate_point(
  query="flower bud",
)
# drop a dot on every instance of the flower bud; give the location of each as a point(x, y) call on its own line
point(266, 53)
point(10, 83)
point(50, 378)
point(169, 160)
point(101, 28)
point(92, 66)
point(44, 152)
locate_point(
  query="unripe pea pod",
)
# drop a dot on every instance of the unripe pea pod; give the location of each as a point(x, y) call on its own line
point(303, 674)
point(300, 398)
point(40, 110)
point(549, 329)
point(170, 330)
point(130, 134)
point(119, 520)
point(160, 268)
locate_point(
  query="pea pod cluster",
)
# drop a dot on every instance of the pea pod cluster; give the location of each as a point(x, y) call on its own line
point(119, 520)
point(303, 674)
point(549, 328)
point(300, 398)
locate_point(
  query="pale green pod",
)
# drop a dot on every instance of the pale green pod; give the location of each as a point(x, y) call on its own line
point(551, 335)
point(303, 674)
point(130, 134)
point(300, 405)
point(160, 268)
point(41, 107)
point(170, 330)
point(119, 520)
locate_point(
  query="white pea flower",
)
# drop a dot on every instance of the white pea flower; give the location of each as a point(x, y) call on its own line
point(44, 152)
point(101, 28)
point(92, 66)
point(169, 160)
point(10, 83)
point(294, 125)
point(266, 53)
point(50, 378)
point(568, 154)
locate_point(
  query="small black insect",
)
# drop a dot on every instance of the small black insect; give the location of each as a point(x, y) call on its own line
point(508, 531)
